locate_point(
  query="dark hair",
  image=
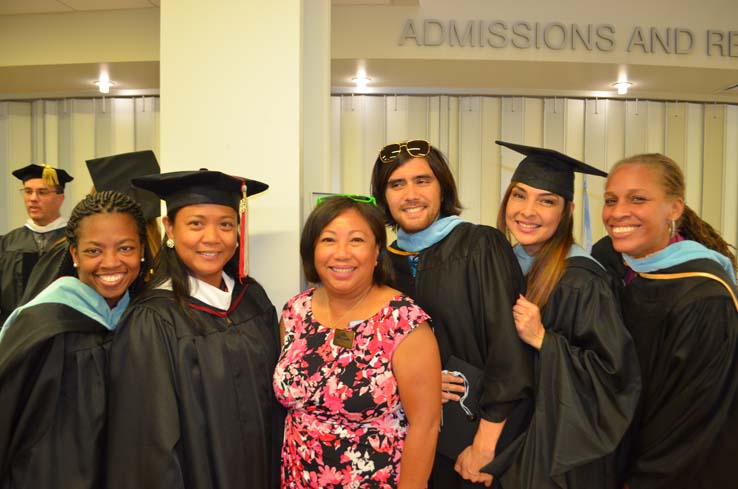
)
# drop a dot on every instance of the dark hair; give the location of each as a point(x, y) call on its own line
point(549, 263)
point(326, 212)
point(672, 181)
point(450, 204)
point(169, 266)
point(109, 202)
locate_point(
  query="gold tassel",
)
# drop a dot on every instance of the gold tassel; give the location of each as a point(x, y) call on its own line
point(49, 176)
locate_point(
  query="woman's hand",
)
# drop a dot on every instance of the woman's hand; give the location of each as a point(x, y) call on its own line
point(452, 387)
point(470, 462)
point(528, 322)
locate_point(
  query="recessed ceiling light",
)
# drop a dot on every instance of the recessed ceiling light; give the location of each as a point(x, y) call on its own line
point(104, 85)
point(622, 87)
point(361, 81)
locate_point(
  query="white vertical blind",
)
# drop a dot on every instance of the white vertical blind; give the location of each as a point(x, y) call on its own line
point(701, 138)
point(65, 133)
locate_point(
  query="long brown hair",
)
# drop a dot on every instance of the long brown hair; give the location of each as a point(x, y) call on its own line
point(450, 204)
point(689, 224)
point(549, 263)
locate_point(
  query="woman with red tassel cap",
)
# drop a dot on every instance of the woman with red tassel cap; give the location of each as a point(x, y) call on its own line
point(191, 403)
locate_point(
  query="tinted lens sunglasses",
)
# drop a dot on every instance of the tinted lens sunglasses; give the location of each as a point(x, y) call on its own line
point(414, 147)
point(366, 199)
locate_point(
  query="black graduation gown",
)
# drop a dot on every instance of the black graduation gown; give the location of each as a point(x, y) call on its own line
point(685, 433)
point(588, 382)
point(192, 404)
point(53, 367)
point(18, 255)
point(55, 263)
point(468, 283)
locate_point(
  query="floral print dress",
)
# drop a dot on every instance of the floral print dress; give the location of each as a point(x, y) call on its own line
point(345, 425)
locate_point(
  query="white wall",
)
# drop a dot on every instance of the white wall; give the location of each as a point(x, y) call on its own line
point(703, 139)
point(65, 133)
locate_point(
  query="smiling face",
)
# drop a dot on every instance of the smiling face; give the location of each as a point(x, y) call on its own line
point(414, 195)
point(108, 254)
point(205, 237)
point(345, 254)
point(637, 212)
point(533, 215)
point(41, 201)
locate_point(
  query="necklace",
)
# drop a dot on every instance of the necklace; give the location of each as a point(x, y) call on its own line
point(341, 336)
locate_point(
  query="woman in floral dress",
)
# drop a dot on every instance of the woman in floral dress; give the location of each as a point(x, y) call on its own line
point(359, 366)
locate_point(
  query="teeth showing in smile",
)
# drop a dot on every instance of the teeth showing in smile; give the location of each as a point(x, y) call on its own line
point(112, 278)
point(342, 270)
point(209, 254)
point(413, 210)
point(528, 226)
point(623, 229)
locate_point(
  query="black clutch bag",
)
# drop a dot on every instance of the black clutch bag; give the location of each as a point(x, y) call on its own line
point(460, 420)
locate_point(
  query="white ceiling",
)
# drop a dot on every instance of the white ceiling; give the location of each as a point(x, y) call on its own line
point(388, 76)
point(15, 7)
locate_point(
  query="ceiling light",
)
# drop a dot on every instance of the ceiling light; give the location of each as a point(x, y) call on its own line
point(622, 86)
point(361, 81)
point(104, 85)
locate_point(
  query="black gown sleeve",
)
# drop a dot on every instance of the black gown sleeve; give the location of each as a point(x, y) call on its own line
point(143, 415)
point(508, 371)
point(689, 396)
point(589, 379)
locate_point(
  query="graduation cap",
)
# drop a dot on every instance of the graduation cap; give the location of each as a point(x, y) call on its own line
point(115, 173)
point(550, 170)
point(182, 188)
point(50, 175)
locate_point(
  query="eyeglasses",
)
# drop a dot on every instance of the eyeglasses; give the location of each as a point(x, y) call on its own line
point(41, 192)
point(414, 147)
point(366, 199)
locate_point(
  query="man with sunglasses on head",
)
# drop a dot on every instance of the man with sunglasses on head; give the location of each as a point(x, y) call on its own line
point(20, 249)
point(468, 279)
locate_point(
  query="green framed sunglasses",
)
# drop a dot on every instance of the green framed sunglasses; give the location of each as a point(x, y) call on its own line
point(415, 147)
point(366, 199)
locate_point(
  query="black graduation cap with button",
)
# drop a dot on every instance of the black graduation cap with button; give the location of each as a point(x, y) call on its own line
point(182, 188)
point(547, 169)
point(50, 175)
point(115, 173)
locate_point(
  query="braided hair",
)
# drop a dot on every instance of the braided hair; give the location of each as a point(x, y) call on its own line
point(672, 181)
point(109, 202)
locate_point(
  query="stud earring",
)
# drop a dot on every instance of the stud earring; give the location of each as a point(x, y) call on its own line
point(75, 265)
point(143, 259)
point(170, 243)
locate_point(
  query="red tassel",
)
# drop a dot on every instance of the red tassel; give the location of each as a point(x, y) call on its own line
point(243, 252)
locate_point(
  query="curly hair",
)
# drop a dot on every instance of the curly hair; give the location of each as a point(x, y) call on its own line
point(672, 181)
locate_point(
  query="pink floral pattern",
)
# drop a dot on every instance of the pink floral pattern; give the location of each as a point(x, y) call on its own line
point(345, 425)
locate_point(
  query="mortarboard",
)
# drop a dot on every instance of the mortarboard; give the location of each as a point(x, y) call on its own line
point(50, 175)
point(547, 169)
point(115, 173)
point(182, 188)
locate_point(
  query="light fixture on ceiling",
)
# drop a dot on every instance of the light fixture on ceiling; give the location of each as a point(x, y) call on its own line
point(622, 87)
point(104, 84)
point(361, 80)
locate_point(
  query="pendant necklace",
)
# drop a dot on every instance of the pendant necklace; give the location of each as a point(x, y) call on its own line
point(344, 337)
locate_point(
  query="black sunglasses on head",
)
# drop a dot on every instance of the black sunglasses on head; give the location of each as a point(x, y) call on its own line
point(415, 147)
